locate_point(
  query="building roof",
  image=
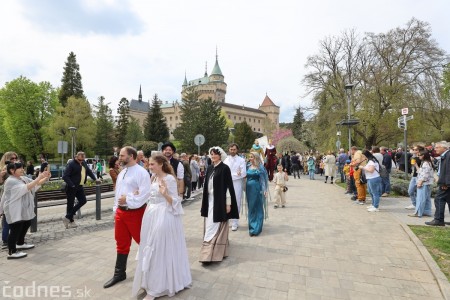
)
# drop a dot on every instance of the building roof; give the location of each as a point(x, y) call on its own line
point(242, 107)
point(216, 70)
point(203, 80)
point(139, 105)
point(267, 102)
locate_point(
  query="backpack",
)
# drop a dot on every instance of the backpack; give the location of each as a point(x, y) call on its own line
point(383, 172)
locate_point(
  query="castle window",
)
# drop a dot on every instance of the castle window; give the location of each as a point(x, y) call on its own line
point(176, 117)
point(259, 129)
point(254, 120)
point(235, 117)
point(170, 118)
point(259, 121)
point(254, 129)
point(239, 118)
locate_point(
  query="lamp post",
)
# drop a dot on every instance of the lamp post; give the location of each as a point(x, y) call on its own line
point(348, 89)
point(73, 130)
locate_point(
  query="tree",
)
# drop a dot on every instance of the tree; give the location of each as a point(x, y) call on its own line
point(26, 109)
point(297, 124)
point(390, 70)
point(216, 131)
point(290, 144)
point(123, 112)
point(78, 114)
point(155, 128)
point(280, 134)
point(244, 136)
point(104, 123)
point(71, 81)
point(134, 132)
point(187, 130)
point(147, 147)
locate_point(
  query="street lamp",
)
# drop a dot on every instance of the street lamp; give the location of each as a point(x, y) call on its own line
point(348, 89)
point(72, 130)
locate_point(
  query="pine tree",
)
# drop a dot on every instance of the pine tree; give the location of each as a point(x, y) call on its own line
point(244, 136)
point(186, 132)
point(212, 124)
point(134, 132)
point(297, 124)
point(123, 112)
point(105, 124)
point(155, 128)
point(71, 81)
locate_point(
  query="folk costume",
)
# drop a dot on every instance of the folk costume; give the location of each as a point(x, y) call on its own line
point(256, 187)
point(134, 182)
point(163, 265)
point(258, 149)
point(218, 192)
point(238, 173)
point(271, 160)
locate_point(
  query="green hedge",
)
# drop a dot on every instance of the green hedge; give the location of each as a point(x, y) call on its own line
point(56, 184)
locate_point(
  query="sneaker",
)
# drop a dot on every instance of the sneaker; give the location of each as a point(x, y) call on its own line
point(373, 209)
point(4, 246)
point(66, 222)
point(234, 228)
point(369, 207)
point(354, 198)
point(384, 195)
point(17, 255)
point(410, 207)
point(361, 202)
point(24, 246)
point(275, 206)
point(72, 225)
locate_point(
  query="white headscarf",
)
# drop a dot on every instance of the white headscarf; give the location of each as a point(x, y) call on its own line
point(223, 155)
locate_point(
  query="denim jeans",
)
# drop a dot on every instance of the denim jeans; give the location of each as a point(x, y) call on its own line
point(386, 184)
point(375, 188)
point(423, 200)
point(412, 190)
point(341, 171)
point(311, 174)
point(5, 230)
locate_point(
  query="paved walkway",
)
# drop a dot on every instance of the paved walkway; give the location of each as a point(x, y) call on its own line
point(321, 246)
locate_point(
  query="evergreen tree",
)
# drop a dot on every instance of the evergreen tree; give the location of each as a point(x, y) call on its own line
point(244, 136)
point(297, 124)
point(155, 128)
point(187, 130)
point(105, 125)
point(123, 112)
point(212, 124)
point(71, 81)
point(134, 132)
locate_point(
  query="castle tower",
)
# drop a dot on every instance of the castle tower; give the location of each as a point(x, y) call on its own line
point(272, 111)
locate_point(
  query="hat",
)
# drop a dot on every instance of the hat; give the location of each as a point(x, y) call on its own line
point(347, 161)
point(169, 144)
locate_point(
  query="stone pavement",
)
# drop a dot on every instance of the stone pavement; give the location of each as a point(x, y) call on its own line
point(321, 246)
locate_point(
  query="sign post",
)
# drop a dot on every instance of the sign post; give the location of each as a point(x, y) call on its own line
point(199, 140)
point(62, 149)
point(403, 124)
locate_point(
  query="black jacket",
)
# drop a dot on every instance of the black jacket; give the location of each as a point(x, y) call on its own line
point(222, 182)
point(387, 161)
point(444, 173)
point(72, 173)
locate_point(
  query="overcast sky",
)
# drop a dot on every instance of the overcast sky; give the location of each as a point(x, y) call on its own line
point(121, 44)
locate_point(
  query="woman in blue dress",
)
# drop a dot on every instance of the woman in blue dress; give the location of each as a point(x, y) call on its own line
point(256, 193)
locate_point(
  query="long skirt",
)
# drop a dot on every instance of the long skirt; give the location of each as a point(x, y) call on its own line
point(217, 248)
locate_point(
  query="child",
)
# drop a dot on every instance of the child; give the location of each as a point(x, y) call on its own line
point(346, 171)
point(280, 179)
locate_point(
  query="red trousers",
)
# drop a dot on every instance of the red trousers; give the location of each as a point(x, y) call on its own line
point(127, 227)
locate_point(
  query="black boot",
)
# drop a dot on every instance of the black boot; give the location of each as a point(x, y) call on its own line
point(119, 271)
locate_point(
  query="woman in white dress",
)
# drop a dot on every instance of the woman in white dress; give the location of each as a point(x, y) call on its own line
point(163, 265)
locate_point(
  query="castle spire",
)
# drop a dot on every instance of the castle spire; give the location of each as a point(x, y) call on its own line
point(216, 70)
point(185, 79)
point(140, 94)
point(206, 69)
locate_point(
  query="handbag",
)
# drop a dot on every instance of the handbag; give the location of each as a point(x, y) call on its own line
point(362, 178)
point(285, 188)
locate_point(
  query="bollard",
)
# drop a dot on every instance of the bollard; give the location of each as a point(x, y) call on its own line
point(98, 203)
point(33, 227)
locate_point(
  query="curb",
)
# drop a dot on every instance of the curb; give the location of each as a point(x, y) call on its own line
point(438, 275)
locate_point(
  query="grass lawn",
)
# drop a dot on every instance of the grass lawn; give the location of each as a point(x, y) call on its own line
point(437, 241)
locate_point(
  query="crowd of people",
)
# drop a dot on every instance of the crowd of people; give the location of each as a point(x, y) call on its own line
point(149, 193)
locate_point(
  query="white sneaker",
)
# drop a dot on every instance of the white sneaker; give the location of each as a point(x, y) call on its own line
point(25, 246)
point(373, 209)
point(72, 225)
point(369, 207)
point(17, 255)
point(234, 228)
point(410, 207)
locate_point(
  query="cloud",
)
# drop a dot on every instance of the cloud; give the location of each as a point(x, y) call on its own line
point(83, 17)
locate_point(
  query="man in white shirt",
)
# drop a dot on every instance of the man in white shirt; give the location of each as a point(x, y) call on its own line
point(238, 173)
point(132, 194)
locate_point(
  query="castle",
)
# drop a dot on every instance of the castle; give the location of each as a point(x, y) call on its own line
point(263, 119)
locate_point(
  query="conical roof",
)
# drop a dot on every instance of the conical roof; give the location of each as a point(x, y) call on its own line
point(216, 70)
point(267, 102)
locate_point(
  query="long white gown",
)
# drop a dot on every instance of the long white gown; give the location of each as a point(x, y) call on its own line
point(163, 265)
